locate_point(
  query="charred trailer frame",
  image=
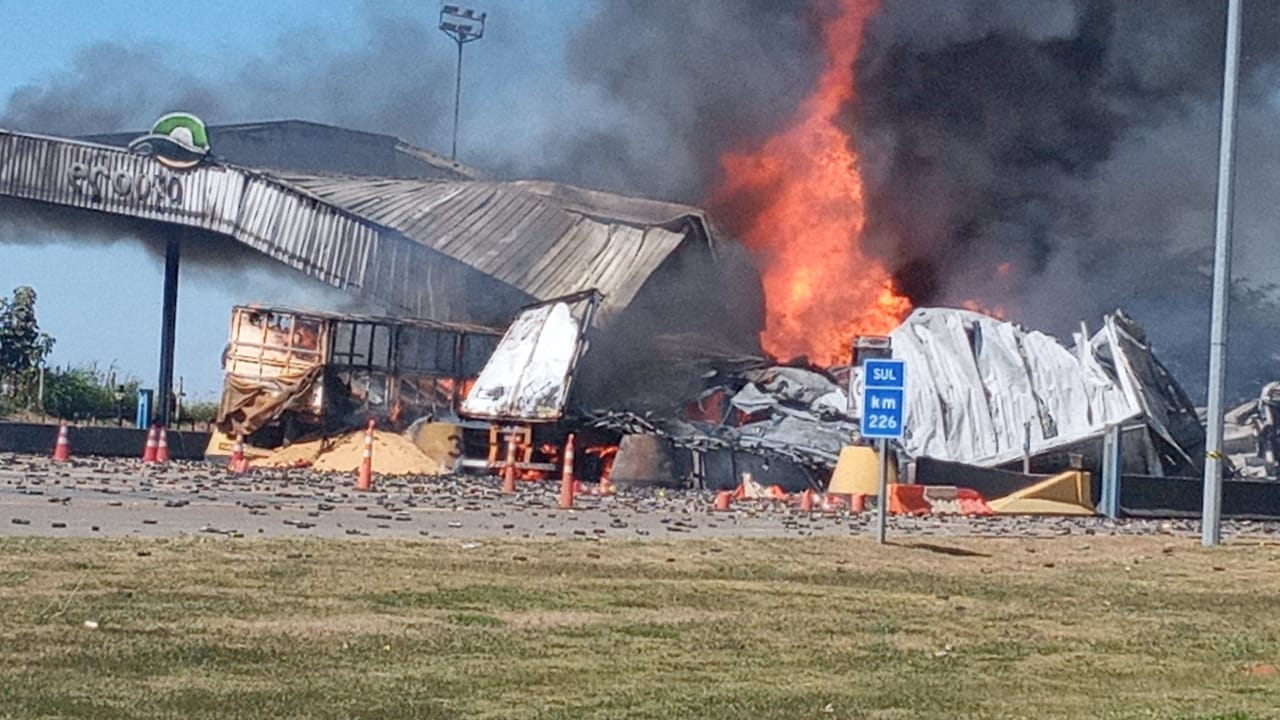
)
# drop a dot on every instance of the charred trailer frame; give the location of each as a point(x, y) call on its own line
point(291, 373)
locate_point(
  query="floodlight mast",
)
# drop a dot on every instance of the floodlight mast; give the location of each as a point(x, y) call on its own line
point(463, 25)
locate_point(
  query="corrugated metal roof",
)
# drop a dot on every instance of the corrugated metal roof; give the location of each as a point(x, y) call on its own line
point(413, 244)
point(384, 319)
point(304, 232)
point(310, 147)
point(543, 239)
point(252, 208)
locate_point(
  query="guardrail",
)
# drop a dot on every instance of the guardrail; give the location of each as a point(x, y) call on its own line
point(38, 438)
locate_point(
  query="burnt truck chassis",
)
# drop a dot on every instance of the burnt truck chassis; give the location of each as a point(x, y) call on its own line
point(293, 373)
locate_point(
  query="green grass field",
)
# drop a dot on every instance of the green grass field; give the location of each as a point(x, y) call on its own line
point(217, 628)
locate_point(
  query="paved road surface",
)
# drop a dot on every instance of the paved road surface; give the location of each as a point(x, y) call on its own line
point(91, 497)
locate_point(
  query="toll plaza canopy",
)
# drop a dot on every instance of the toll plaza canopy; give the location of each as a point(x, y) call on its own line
point(439, 244)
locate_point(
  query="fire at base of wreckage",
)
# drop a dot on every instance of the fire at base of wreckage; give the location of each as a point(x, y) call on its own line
point(998, 419)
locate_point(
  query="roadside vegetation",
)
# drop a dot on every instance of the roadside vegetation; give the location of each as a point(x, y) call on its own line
point(836, 628)
point(23, 349)
point(94, 396)
point(31, 389)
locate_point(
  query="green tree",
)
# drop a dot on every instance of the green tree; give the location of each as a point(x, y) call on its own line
point(23, 348)
point(202, 412)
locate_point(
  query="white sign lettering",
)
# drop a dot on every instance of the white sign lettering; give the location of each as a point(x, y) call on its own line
point(100, 183)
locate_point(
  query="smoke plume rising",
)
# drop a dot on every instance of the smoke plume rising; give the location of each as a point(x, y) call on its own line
point(686, 81)
point(1058, 160)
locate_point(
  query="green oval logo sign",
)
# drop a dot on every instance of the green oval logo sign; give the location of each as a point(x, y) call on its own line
point(178, 140)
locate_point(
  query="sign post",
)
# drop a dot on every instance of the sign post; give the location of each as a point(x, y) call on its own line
point(884, 387)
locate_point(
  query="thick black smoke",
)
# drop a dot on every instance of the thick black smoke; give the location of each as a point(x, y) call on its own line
point(1076, 142)
point(686, 82)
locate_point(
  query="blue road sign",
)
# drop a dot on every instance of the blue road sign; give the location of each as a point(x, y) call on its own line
point(883, 398)
point(884, 374)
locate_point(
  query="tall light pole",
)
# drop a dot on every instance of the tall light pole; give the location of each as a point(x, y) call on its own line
point(464, 25)
point(1211, 514)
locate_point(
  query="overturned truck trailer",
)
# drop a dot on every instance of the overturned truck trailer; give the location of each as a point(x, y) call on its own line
point(984, 392)
point(981, 392)
point(291, 373)
point(522, 396)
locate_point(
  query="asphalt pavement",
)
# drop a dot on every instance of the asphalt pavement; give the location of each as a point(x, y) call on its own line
point(108, 497)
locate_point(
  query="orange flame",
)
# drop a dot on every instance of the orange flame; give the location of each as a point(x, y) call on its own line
point(820, 287)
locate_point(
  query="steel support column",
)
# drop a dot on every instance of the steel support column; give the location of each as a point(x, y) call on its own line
point(168, 327)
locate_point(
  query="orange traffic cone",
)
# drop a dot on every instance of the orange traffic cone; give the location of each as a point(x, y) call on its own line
point(62, 448)
point(806, 500)
point(830, 503)
point(857, 503)
point(567, 482)
point(566, 477)
point(509, 471)
point(162, 446)
point(238, 464)
point(153, 443)
point(723, 498)
point(364, 481)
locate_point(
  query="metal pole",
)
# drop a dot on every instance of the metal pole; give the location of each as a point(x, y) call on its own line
point(168, 325)
point(457, 101)
point(1026, 448)
point(1111, 468)
point(1211, 516)
point(882, 501)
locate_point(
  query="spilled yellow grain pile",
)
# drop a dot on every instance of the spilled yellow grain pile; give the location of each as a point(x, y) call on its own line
point(393, 454)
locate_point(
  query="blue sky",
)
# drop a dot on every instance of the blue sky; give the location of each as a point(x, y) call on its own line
point(102, 300)
point(41, 37)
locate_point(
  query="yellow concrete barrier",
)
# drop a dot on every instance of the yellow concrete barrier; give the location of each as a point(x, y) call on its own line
point(857, 472)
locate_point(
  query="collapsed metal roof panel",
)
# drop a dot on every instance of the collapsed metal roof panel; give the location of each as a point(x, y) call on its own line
point(600, 204)
point(542, 243)
point(431, 248)
point(979, 387)
point(219, 198)
point(318, 238)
